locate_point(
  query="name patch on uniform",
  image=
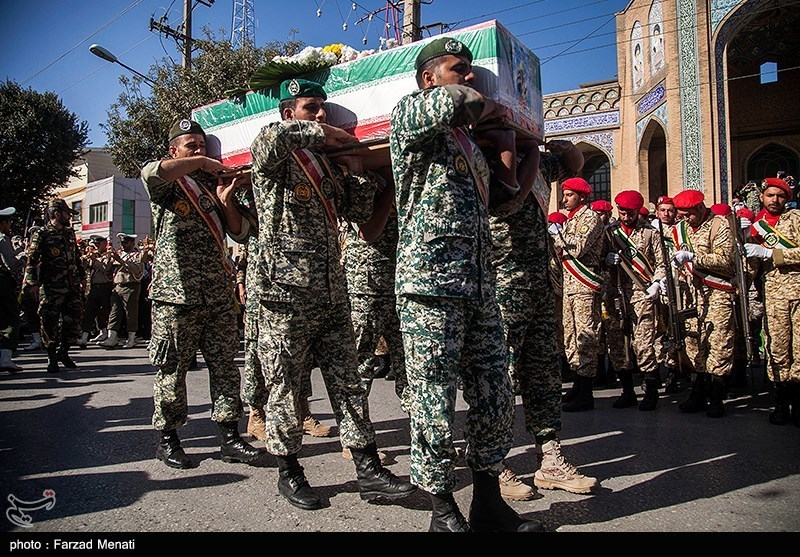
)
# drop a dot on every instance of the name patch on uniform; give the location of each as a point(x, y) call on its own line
point(461, 165)
point(302, 192)
point(205, 202)
point(771, 240)
point(181, 208)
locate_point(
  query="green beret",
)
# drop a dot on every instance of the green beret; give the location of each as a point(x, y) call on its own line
point(297, 88)
point(442, 47)
point(184, 126)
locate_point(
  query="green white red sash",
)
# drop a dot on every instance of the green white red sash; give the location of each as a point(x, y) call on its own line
point(770, 237)
point(310, 165)
point(468, 149)
point(212, 219)
point(680, 235)
point(628, 251)
point(581, 272)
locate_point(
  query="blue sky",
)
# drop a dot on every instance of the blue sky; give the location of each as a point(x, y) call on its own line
point(44, 44)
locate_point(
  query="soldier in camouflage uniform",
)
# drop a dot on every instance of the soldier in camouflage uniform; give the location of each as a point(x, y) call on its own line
point(10, 267)
point(579, 245)
point(604, 376)
point(56, 276)
point(775, 244)
point(525, 295)
point(304, 314)
point(637, 262)
point(705, 251)
point(445, 287)
point(97, 261)
point(191, 291)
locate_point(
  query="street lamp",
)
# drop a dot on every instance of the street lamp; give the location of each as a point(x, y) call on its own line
point(101, 52)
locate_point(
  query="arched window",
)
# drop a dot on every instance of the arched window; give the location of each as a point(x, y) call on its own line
point(768, 160)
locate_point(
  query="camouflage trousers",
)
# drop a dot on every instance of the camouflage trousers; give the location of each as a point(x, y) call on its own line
point(373, 317)
point(444, 339)
point(125, 307)
point(710, 336)
point(782, 327)
point(9, 312)
point(642, 319)
point(293, 338)
point(581, 322)
point(60, 316)
point(178, 331)
point(98, 306)
point(530, 330)
point(254, 390)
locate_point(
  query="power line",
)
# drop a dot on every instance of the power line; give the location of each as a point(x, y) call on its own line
point(546, 60)
point(92, 34)
point(497, 12)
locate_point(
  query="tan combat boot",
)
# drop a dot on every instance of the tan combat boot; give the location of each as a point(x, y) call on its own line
point(556, 473)
point(312, 427)
point(512, 488)
point(257, 423)
point(384, 458)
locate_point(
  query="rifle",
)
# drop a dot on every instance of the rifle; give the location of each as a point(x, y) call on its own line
point(675, 331)
point(627, 328)
point(739, 258)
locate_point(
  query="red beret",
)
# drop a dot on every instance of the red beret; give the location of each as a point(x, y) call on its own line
point(664, 200)
point(777, 183)
point(688, 199)
point(578, 185)
point(557, 218)
point(745, 213)
point(629, 200)
point(721, 209)
point(601, 206)
point(644, 211)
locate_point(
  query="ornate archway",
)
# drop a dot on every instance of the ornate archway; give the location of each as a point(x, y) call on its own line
point(653, 161)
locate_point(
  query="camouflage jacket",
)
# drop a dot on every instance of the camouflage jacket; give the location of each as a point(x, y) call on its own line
point(370, 267)
point(712, 244)
point(644, 238)
point(299, 254)
point(782, 272)
point(444, 244)
point(582, 238)
point(54, 260)
point(520, 240)
point(189, 266)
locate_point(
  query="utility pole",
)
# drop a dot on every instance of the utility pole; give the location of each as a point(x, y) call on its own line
point(183, 40)
point(411, 30)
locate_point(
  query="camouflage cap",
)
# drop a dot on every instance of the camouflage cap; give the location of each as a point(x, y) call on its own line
point(299, 88)
point(185, 126)
point(60, 205)
point(442, 47)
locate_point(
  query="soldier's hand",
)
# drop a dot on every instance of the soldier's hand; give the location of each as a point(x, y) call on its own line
point(653, 291)
point(213, 166)
point(354, 163)
point(337, 137)
point(242, 293)
point(682, 257)
point(755, 250)
point(612, 259)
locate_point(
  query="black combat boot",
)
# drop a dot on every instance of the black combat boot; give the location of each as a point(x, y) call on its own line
point(672, 384)
point(716, 396)
point(566, 372)
point(374, 480)
point(650, 400)
point(739, 378)
point(571, 393)
point(628, 396)
point(63, 356)
point(697, 398)
point(233, 447)
point(781, 415)
point(489, 513)
point(446, 515)
point(170, 452)
point(794, 394)
point(293, 485)
point(612, 376)
point(584, 400)
point(52, 358)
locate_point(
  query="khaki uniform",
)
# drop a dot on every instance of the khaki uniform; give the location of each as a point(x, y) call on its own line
point(101, 283)
point(582, 238)
point(710, 336)
point(128, 271)
point(641, 311)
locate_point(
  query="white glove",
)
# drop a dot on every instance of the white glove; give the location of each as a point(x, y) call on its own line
point(745, 223)
point(555, 228)
point(681, 257)
point(663, 283)
point(653, 291)
point(656, 224)
point(754, 250)
point(612, 258)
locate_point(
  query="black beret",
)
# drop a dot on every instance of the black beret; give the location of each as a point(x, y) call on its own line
point(184, 126)
point(442, 47)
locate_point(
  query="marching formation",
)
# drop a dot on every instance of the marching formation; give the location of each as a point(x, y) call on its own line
point(448, 260)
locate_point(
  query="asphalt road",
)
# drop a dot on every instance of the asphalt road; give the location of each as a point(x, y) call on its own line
point(86, 435)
